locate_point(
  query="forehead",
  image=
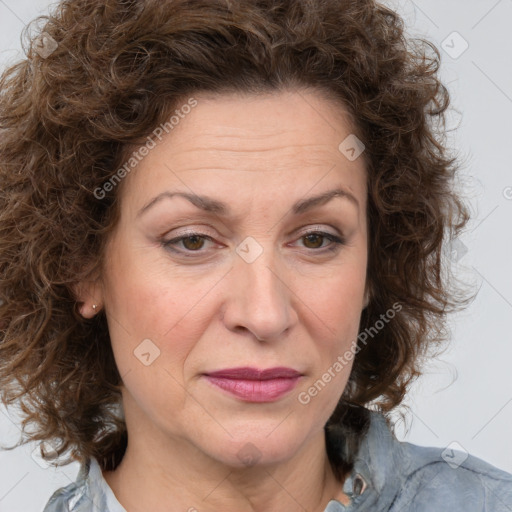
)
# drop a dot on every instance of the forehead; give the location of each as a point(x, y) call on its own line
point(289, 140)
point(295, 119)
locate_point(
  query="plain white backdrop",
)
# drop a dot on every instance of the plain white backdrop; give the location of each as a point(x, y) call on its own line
point(464, 400)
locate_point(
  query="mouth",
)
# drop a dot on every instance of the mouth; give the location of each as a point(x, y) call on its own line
point(254, 385)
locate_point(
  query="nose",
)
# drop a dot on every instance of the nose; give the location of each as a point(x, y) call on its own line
point(259, 299)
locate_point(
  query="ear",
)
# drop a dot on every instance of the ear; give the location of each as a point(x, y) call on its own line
point(86, 294)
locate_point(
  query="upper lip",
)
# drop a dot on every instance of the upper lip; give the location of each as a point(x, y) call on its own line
point(249, 373)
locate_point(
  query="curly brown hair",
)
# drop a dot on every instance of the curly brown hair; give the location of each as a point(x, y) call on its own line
point(69, 120)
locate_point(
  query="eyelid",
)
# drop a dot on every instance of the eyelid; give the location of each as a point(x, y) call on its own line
point(305, 230)
point(336, 240)
point(318, 228)
point(202, 231)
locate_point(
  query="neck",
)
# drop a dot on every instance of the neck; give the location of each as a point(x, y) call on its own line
point(158, 472)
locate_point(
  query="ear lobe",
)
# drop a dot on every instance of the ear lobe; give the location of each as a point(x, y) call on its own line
point(86, 294)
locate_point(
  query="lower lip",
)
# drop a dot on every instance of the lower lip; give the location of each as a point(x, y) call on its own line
point(255, 390)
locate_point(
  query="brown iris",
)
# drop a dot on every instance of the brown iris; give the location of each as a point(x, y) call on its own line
point(315, 239)
point(196, 242)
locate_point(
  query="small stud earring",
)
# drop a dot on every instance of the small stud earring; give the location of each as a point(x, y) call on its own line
point(94, 306)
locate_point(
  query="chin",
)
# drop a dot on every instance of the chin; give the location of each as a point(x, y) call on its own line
point(259, 449)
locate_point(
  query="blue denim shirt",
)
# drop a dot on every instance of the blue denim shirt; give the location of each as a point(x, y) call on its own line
point(388, 475)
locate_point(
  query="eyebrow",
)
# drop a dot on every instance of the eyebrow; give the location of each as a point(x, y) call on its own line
point(208, 204)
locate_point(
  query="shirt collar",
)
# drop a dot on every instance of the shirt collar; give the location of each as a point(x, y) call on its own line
point(376, 477)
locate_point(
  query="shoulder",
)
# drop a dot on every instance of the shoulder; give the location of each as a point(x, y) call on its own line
point(437, 478)
point(404, 476)
point(86, 494)
point(66, 498)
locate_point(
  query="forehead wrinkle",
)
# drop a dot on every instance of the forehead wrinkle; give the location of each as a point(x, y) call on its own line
point(285, 156)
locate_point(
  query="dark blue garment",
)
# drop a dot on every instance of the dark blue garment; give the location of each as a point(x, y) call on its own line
point(388, 475)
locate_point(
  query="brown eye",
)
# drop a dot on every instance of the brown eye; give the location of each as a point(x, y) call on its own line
point(313, 240)
point(316, 239)
point(193, 243)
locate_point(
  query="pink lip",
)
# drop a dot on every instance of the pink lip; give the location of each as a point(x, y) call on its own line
point(253, 385)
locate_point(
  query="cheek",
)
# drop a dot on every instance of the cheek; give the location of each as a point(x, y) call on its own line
point(167, 309)
point(152, 334)
point(336, 302)
point(333, 329)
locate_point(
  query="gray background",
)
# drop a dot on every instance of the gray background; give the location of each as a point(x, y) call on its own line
point(465, 399)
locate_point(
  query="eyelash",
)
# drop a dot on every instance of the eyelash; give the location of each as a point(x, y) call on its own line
point(334, 239)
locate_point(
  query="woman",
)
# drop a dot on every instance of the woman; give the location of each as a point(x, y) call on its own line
point(222, 256)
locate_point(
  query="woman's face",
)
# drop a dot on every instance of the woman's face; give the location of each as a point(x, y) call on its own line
point(238, 264)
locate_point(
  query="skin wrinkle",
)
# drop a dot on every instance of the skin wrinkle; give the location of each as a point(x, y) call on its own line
point(286, 298)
